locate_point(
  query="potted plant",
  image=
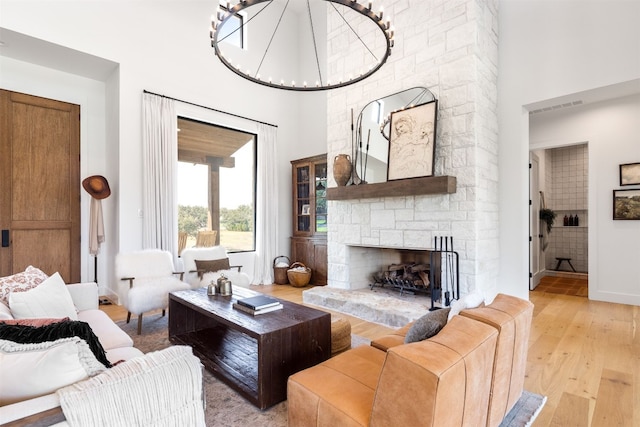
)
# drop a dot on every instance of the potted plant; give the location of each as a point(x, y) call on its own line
point(548, 216)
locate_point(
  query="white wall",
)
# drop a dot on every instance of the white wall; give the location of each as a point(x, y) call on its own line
point(163, 47)
point(550, 49)
point(611, 128)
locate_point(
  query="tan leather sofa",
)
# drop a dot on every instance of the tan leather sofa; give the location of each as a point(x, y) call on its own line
point(470, 374)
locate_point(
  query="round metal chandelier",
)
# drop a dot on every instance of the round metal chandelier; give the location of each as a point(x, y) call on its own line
point(267, 40)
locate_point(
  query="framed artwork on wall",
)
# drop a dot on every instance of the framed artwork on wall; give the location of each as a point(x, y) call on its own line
point(630, 174)
point(412, 142)
point(626, 204)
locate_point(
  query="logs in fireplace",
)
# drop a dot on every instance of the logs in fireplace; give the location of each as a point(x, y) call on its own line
point(410, 277)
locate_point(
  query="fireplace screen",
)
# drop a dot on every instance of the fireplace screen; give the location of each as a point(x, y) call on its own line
point(439, 278)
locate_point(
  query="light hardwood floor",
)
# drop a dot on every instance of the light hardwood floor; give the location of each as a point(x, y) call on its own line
point(583, 355)
point(564, 285)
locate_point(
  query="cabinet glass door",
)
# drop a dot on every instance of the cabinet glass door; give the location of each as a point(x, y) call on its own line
point(320, 180)
point(303, 199)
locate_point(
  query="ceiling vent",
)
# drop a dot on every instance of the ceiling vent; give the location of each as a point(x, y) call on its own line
point(556, 107)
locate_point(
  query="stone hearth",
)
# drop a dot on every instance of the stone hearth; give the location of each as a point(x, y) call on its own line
point(380, 305)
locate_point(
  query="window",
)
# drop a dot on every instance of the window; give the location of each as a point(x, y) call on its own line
point(216, 184)
point(377, 112)
point(233, 31)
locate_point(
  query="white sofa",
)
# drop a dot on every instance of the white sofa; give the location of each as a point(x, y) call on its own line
point(116, 343)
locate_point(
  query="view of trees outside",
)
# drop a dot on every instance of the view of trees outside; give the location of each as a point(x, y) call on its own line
point(191, 219)
point(237, 216)
point(236, 225)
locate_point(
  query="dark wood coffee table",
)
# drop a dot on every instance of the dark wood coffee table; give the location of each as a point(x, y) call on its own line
point(254, 355)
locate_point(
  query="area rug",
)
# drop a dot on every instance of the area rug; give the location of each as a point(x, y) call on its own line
point(225, 407)
point(525, 411)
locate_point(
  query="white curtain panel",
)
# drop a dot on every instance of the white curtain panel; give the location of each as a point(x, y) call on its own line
point(159, 173)
point(267, 209)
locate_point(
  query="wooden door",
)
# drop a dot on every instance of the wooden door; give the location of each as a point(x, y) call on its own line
point(536, 235)
point(39, 185)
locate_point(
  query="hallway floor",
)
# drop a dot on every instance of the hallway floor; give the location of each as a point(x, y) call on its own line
point(564, 285)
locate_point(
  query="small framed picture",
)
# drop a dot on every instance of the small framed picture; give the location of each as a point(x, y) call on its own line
point(306, 209)
point(630, 174)
point(626, 204)
point(412, 142)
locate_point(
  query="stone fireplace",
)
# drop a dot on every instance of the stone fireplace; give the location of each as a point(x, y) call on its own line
point(454, 54)
point(365, 261)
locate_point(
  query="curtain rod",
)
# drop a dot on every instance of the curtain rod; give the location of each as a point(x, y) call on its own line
point(212, 109)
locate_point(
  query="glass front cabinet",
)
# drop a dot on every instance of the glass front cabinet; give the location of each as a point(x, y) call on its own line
point(309, 239)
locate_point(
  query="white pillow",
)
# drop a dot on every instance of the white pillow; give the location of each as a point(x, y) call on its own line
point(5, 312)
point(50, 298)
point(471, 300)
point(33, 370)
point(23, 281)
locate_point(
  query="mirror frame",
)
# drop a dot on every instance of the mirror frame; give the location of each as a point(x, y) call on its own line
point(361, 143)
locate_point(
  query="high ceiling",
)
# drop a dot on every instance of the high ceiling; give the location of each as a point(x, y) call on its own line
point(200, 142)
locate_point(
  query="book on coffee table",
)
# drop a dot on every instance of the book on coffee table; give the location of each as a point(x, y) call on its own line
point(259, 302)
point(257, 312)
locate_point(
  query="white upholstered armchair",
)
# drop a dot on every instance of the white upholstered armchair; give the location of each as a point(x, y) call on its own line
point(194, 273)
point(149, 277)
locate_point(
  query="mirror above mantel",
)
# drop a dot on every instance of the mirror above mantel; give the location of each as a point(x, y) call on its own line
point(371, 145)
point(370, 153)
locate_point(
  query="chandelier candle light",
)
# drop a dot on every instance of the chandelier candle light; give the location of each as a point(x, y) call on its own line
point(266, 51)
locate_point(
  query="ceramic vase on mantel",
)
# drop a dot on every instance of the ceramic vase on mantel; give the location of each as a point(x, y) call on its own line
point(342, 169)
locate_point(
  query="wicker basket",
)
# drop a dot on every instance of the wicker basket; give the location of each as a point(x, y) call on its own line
point(299, 278)
point(280, 273)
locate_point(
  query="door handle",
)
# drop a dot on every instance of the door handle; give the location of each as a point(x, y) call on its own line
point(5, 238)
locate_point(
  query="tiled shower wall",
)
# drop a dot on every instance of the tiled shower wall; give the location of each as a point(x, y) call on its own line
point(568, 196)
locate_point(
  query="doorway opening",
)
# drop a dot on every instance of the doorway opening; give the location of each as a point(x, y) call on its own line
point(559, 183)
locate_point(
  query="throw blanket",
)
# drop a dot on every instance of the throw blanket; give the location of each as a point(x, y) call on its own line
point(25, 334)
point(96, 226)
point(162, 388)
